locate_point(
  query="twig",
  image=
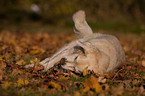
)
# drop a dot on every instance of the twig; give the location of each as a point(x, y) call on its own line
point(117, 74)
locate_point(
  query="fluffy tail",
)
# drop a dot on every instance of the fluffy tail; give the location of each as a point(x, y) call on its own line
point(82, 29)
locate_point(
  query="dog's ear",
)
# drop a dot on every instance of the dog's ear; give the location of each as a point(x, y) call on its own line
point(79, 49)
point(88, 47)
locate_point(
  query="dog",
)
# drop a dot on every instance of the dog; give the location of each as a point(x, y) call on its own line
point(97, 52)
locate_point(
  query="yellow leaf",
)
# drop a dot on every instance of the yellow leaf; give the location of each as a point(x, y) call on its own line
point(85, 71)
point(62, 77)
point(21, 62)
point(22, 82)
point(26, 82)
point(105, 74)
point(57, 86)
point(87, 88)
point(77, 94)
point(92, 83)
point(6, 85)
point(1, 58)
point(37, 51)
point(12, 42)
point(35, 61)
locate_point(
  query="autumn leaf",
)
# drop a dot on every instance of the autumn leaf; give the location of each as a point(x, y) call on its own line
point(12, 42)
point(143, 63)
point(105, 74)
point(92, 83)
point(15, 72)
point(6, 85)
point(1, 77)
point(1, 58)
point(55, 85)
point(35, 61)
point(21, 82)
point(21, 62)
point(118, 90)
point(85, 71)
point(36, 51)
point(63, 77)
point(2, 65)
point(77, 94)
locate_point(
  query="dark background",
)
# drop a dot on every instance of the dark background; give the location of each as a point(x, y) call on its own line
point(120, 15)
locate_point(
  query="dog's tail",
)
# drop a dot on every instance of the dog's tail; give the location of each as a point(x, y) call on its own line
point(82, 29)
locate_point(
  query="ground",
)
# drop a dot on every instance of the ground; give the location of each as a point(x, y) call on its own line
point(18, 48)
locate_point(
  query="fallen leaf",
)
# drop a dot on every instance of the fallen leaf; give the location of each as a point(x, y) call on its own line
point(92, 83)
point(12, 42)
point(1, 77)
point(2, 65)
point(35, 61)
point(55, 85)
point(85, 71)
point(105, 74)
point(1, 58)
point(101, 94)
point(118, 90)
point(21, 62)
point(143, 63)
point(63, 77)
point(77, 94)
point(6, 85)
point(36, 51)
point(21, 82)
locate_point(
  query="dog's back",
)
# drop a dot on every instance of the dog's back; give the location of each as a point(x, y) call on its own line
point(110, 45)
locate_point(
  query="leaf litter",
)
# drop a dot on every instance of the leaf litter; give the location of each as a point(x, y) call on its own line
point(19, 49)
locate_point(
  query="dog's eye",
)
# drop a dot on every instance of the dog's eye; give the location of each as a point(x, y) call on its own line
point(78, 49)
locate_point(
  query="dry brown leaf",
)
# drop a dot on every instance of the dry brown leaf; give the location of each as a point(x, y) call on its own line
point(21, 62)
point(1, 77)
point(143, 63)
point(2, 65)
point(118, 90)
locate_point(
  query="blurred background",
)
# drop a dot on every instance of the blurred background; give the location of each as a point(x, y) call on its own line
point(51, 15)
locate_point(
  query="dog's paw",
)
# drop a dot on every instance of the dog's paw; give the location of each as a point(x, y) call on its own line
point(29, 66)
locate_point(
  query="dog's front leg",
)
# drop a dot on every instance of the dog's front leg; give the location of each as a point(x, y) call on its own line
point(50, 62)
point(56, 59)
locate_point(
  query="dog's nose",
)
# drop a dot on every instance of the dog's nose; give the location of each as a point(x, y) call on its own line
point(62, 61)
point(70, 58)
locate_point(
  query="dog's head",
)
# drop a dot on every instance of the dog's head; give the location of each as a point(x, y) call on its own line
point(78, 60)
